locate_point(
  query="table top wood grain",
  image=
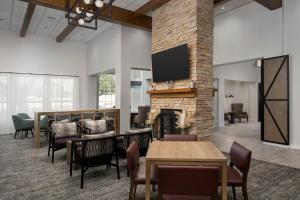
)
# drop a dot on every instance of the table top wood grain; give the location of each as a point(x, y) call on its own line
point(197, 151)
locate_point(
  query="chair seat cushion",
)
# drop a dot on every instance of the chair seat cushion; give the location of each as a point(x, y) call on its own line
point(140, 176)
point(185, 197)
point(62, 142)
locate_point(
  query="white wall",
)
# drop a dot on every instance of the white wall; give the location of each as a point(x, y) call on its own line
point(253, 32)
point(292, 47)
point(37, 54)
point(120, 48)
point(104, 51)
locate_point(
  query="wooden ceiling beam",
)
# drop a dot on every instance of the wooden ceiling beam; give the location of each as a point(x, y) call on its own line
point(150, 6)
point(270, 4)
point(27, 19)
point(118, 15)
point(69, 28)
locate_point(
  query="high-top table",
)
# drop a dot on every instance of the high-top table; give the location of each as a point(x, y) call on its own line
point(185, 153)
point(37, 118)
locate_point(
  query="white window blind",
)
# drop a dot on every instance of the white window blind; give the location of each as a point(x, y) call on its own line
point(35, 93)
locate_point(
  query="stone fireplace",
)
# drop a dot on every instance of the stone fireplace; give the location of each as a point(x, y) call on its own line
point(175, 23)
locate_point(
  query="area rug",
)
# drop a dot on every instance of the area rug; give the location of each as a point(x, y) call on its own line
point(26, 173)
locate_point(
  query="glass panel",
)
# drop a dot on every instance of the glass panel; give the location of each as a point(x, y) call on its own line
point(106, 91)
point(140, 82)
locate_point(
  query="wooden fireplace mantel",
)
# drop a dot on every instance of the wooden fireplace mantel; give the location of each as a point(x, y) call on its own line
point(174, 93)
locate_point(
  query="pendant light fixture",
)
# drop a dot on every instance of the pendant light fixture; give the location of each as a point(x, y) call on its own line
point(84, 13)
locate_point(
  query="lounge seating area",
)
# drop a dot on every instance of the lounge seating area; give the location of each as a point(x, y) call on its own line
point(149, 100)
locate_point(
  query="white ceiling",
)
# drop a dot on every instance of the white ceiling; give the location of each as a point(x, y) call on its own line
point(50, 22)
point(231, 5)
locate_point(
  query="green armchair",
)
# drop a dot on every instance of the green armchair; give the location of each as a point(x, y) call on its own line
point(23, 123)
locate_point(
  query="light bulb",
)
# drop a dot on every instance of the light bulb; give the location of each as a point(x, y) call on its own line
point(99, 3)
point(81, 21)
point(78, 11)
point(89, 14)
point(87, 1)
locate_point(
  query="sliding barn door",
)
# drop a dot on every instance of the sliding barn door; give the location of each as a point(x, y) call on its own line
point(275, 100)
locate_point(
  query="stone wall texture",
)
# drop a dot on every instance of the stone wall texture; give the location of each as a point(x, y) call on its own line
point(190, 21)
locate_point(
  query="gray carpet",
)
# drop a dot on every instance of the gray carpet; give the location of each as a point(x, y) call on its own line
point(26, 173)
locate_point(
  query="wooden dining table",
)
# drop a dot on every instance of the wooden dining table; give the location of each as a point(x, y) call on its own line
point(185, 154)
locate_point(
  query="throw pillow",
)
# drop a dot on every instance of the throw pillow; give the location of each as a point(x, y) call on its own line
point(96, 126)
point(68, 129)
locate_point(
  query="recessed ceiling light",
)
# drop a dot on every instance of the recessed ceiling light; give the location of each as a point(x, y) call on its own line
point(223, 8)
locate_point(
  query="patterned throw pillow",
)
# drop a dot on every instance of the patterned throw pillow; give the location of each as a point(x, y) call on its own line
point(96, 126)
point(64, 129)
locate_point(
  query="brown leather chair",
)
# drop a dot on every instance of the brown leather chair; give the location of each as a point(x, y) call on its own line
point(237, 112)
point(179, 138)
point(187, 182)
point(137, 170)
point(240, 159)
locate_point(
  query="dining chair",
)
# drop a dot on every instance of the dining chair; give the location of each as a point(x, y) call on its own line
point(179, 138)
point(137, 170)
point(187, 182)
point(240, 158)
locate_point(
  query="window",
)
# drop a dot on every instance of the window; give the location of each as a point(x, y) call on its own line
point(29, 93)
point(62, 94)
point(107, 95)
point(140, 82)
point(26, 93)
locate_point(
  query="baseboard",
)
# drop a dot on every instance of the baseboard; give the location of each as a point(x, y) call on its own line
point(276, 145)
point(296, 147)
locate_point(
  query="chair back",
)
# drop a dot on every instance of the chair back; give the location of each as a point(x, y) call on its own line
point(143, 113)
point(23, 116)
point(179, 138)
point(62, 117)
point(88, 115)
point(237, 107)
point(240, 157)
point(17, 122)
point(141, 136)
point(44, 123)
point(188, 180)
point(98, 146)
point(132, 154)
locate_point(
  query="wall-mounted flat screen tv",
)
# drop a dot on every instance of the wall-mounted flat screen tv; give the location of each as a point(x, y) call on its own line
point(171, 64)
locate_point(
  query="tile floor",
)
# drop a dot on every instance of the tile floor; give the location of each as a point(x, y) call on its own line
point(248, 134)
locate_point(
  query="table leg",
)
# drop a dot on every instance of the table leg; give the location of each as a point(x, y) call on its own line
point(37, 133)
point(148, 186)
point(224, 181)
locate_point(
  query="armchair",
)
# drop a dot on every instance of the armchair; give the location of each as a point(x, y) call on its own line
point(93, 151)
point(22, 123)
point(140, 119)
point(238, 113)
point(59, 134)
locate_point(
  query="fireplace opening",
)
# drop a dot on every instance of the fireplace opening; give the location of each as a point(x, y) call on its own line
point(168, 122)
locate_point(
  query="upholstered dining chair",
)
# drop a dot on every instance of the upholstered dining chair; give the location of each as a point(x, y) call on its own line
point(137, 170)
point(179, 138)
point(187, 182)
point(240, 158)
point(60, 132)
